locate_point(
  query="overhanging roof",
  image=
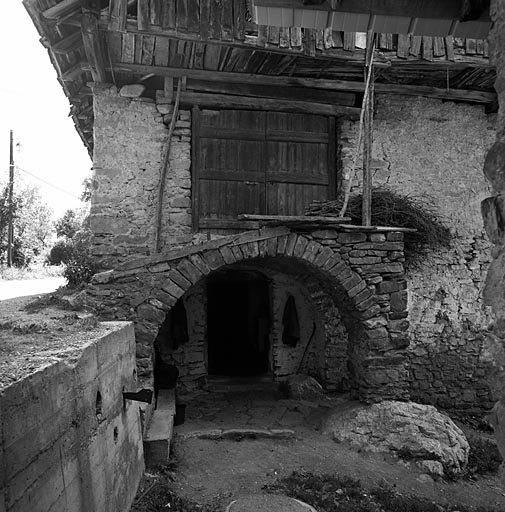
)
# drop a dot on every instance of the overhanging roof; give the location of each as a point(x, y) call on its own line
point(221, 51)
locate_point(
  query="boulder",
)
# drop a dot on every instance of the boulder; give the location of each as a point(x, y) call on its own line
point(303, 387)
point(409, 430)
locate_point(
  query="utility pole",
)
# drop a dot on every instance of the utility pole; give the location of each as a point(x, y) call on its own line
point(10, 233)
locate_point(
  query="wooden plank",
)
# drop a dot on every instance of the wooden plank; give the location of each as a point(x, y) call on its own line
point(155, 14)
point(296, 37)
point(302, 179)
point(273, 35)
point(143, 15)
point(227, 20)
point(338, 39)
point(309, 42)
point(438, 47)
point(427, 48)
point(168, 14)
point(114, 44)
point(415, 45)
point(480, 47)
point(309, 219)
point(204, 18)
point(215, 19)
point(261, 39)
point(194, 16)
point(284, 37)
point(470, 46)
point(449, 47)
point(148, 50)
point(128, 48)
point(161, 51)
point(139, 43)
point(117, 15)
point(349, 41)
point(62, 9)
point(242, 225)
point(231, 175)
point(239, 19)
point(328, 38)
point(195, 167)
point(320, 40)
point(181, 14)
point(403, 46)
point(168, 88)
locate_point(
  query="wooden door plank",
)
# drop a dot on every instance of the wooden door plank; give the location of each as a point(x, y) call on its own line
point(182, 14)
point(143, 14)
point(193, 16)
point(155, 14)
point(239, 19)
point(403, 46)
point(227, 20)
point(168, 14)
point(427, 47)
point(215, 19)
point(331, 162)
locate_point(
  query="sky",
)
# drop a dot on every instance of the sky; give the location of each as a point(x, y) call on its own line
point(33, 105)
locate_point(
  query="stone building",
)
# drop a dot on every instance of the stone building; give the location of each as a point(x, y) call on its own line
point(198, 112)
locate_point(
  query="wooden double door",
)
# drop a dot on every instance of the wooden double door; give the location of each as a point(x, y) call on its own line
point(255, 162)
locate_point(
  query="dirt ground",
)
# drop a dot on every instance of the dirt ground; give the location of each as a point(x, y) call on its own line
point(209, 471)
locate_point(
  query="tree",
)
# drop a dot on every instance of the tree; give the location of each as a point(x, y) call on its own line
point(32, 224)
point(68, 225)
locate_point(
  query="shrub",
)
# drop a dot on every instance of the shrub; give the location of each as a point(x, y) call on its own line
point(61, 252)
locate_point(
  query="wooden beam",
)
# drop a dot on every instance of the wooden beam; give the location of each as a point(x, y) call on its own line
point(285, 81)
point(68, 43)
point(267, 91)
point(250, 103)
point(93, 46)
point(62, 9)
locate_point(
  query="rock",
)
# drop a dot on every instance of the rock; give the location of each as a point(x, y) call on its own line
point(431, 467)
point(132, 90)
point(268, 503)
point(303, 387)
point(407, 429)
point(494, 166)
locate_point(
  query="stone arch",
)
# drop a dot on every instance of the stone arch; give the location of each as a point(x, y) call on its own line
point(150, 287)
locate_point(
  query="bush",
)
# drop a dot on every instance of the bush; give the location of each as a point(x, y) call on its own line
point(61, 252)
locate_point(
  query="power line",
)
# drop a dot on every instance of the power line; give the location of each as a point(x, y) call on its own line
point(46, 182)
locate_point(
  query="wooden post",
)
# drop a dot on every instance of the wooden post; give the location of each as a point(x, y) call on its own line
point(368, 137)
point(92, 40)
point(10, 229)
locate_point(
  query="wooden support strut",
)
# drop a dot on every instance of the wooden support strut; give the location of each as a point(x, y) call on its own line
point(93, 44)
point(164, 169)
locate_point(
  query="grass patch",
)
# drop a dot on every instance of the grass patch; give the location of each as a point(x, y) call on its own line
point(333, 493)
point(484, 457)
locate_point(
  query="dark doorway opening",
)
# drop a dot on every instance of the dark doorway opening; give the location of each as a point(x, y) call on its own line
point(238, 324)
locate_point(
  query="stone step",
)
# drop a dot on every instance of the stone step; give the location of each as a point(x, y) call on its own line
point(160, 431)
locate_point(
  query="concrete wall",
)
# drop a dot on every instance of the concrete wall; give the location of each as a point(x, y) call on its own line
point(61, 449)
point(426, 146)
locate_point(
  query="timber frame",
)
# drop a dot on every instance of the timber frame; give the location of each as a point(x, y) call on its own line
point(228, 61)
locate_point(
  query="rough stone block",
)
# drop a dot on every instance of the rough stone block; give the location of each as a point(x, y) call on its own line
point(214, 259)
point(399, 301)
point(323, 256)
point(376, 237)
point(300, 246)
point(175, 276)
point(172, 288)
point(350, 282)
point(271, 246)
point(290, 244)
point(395, 236)
point(200, 263)
point(189, 271)
point(391, 286)
point(227, 255)
point(398, 325)
point(150, 313)
point(351, 238)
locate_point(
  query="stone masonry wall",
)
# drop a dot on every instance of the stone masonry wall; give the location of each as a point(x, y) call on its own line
point(130, 138)
point(425, 146)
point(69, 441)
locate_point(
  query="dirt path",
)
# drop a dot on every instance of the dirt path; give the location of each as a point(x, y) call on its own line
point(23, 287)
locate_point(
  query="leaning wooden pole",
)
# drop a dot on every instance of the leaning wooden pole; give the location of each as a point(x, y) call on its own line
point(164, 169)
point(366, 206)
point(369, 67)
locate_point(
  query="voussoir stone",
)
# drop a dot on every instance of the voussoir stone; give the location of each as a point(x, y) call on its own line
point(409, 429)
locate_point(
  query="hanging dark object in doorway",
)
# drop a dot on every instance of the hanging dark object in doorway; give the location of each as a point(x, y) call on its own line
point(290, 323)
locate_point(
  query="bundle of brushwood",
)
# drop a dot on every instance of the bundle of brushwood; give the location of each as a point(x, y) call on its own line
point(389, 208)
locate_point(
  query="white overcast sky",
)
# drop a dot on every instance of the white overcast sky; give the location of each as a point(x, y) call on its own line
point(34, 106)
